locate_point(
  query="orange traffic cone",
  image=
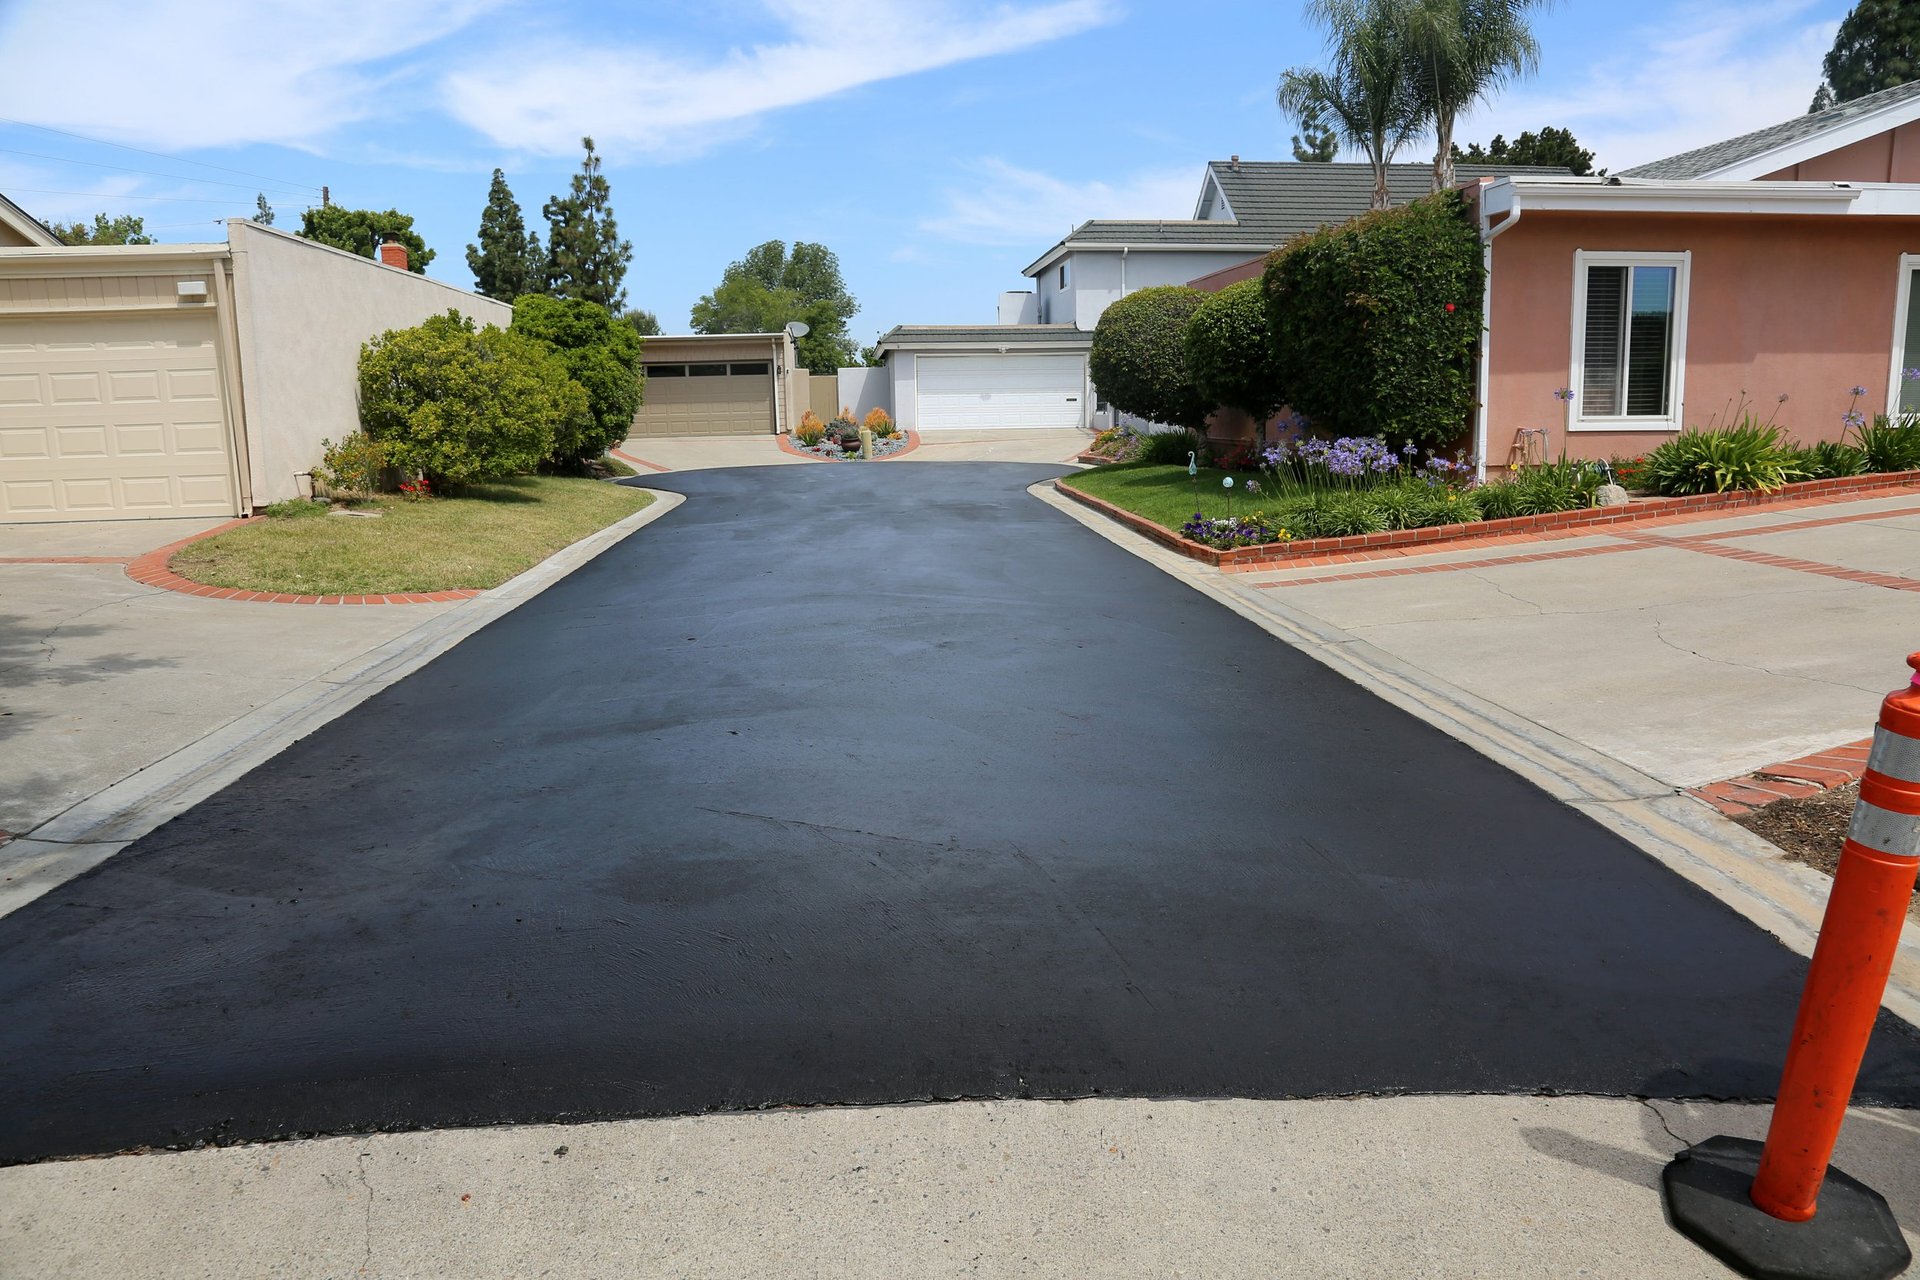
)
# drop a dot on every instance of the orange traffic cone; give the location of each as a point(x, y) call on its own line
point(1754, 1207)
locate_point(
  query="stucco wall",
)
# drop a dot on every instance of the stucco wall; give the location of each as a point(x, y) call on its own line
point(1893, 156)
point(903, 371)
point(1778, 305)
point(866, 388)
point(303, 311)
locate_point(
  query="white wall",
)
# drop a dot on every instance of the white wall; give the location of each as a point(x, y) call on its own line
point(903, 371)
point(303, 309)
point(1097, 276)
point(865, 389)
point(1020, 306)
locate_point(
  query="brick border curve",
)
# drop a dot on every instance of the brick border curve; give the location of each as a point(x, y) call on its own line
point(1598, 519)
point(787, 446)
point(150, 570)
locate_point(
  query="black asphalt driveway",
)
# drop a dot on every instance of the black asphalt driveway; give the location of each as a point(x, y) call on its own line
point(862, 784)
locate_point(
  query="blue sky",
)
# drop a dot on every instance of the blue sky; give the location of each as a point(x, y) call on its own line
point(936, 146)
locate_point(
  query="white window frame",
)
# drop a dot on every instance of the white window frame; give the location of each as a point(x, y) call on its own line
point(1902, 300)
point(1577, 417)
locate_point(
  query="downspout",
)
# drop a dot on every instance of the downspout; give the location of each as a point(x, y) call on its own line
point(1487, 236)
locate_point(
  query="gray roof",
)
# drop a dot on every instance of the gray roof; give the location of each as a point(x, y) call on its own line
point(1273, 201)
point(1710, 159)
point(985, 335)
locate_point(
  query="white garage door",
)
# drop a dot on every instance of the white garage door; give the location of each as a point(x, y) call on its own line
point(976, 393)
point(112, 418)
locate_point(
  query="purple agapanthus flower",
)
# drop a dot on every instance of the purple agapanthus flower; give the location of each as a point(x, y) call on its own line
point(1857, 391)
point(1854, 418)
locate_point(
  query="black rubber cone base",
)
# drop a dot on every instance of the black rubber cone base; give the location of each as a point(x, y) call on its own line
point(1852, 1237)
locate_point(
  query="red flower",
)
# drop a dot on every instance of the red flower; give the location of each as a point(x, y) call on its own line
point(1449, 306)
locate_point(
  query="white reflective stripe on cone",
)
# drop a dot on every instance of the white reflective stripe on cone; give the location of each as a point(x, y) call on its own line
point(1894, 755)
point(1885, 830)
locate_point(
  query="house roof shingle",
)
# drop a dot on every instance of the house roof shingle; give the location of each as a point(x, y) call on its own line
point(1004, 335)
point(1272, 201)
point(1715, 157)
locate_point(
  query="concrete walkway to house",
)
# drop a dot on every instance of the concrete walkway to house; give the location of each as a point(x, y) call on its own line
point(706, 453)
point(103, 676)
point(1691, 651)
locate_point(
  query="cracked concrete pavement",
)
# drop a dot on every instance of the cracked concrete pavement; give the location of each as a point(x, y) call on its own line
point(101, 676)
point(1437, 1187)
point(1688, 667)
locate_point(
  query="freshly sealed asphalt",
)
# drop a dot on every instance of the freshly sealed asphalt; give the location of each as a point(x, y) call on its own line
point(863, 784)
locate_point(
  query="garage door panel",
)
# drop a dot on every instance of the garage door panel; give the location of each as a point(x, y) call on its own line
point(981, 392)
point(726, 404)
point(106, 417)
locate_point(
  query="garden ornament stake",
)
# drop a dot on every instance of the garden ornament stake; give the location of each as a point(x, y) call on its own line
point(1193, 466)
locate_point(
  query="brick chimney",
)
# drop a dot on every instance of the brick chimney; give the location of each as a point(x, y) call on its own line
point(393, 254)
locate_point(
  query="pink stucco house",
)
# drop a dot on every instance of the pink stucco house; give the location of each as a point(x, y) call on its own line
point(1779, 263)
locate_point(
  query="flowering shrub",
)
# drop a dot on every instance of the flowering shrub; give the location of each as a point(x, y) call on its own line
point(811, 429)
point(1116, 444)
point(1357, 462)
point(1230, 531)
point(416, 489)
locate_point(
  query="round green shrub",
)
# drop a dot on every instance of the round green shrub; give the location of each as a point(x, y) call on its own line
point(1374, 322)
point(600, 353)
point(1139, 357)
point(462, 406)
point(1230, 352)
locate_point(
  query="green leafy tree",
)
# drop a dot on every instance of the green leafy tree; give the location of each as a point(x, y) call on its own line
point(1139, 357)
point(356, 231)
point(262, 211)
point(602, 354)
point(1229, 351)
point(1554, 147)
point(1458, 53)
point(1374, 322)
point(1367, 96)
point(586, 258)
point(1877, 47)
point(462, 406)
point(770, 288)
point(128, 228)
point(644, 323)
point(508, 261)
point(1316, 143)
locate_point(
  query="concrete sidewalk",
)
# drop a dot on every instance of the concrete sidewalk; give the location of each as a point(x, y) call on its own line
point(1435, 1187)
point(706, 453)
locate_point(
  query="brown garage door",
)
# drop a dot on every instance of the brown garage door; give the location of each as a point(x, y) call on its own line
point(718, 398)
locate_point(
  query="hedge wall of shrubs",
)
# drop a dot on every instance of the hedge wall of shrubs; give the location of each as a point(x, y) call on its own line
point(1374, 322)
point(1230, 352)
point(1139, 357)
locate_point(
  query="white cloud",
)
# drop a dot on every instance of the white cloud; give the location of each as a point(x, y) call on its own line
point(663, 103)
point(1007, 205)
point(1708, 71)
point(178, 74)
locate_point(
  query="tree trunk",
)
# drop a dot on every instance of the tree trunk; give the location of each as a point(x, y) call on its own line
point(1381, 200)
point(1443, 154)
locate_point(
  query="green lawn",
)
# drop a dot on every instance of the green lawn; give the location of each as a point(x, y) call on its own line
point(1167, 494)
point(476, 540)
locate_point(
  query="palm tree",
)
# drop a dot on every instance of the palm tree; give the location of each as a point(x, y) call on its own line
point(1458, 52)
point(1369, 93)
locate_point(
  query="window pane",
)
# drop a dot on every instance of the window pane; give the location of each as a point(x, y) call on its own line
point(706, 371)
point(1910, 348)
point(1603, 350)
point(1650, 342)
point(762, 369)
point(666, 371)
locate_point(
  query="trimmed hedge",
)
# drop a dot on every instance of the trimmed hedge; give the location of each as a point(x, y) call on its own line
point(1374, 322)
point(462, 406)
point(1230, 351)
point(602, 354)
point(1139, 357)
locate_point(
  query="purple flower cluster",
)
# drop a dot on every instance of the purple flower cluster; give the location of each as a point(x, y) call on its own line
point(1225, 532)
point(1359, 461)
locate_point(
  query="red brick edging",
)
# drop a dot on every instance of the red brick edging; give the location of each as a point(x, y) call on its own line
point(151, 570)
point(1241, 559)
point(638, 462)
point(1788, 780)
point(787, 446)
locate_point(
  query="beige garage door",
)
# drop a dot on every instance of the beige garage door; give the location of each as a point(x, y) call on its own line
point(733, 398)
point(112, 417)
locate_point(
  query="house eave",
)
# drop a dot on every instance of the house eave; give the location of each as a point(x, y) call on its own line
point(1694, 196)
point(1251, 249)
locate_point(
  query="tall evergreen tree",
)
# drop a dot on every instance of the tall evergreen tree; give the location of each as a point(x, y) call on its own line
point(263, 212)
point(508, 262)
point(1877, 47)
point(1316, 143)
point(1550, 146)
point(586, 258)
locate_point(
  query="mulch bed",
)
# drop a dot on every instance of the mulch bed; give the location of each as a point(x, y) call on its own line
point(1812, 830)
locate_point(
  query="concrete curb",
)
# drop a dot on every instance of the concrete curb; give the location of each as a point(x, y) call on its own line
point(96, 828)
point(1702, 846)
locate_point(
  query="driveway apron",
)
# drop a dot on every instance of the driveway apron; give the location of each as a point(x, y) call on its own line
point(866, 784)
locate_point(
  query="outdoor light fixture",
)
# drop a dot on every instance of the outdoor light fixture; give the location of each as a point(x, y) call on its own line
point(191, 290)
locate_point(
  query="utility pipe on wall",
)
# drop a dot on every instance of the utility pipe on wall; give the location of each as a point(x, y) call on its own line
point(1487, 236)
